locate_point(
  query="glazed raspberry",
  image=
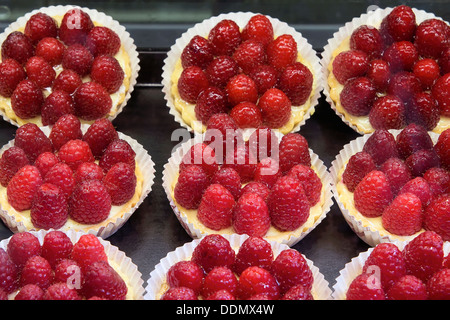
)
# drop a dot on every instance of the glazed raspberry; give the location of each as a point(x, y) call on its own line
point(257, 188)
point(22, 187)
point(51, 50)
point(225, 37)
point(179, 293)
point(49, 208)
point(442, 148)
point(32, 141)
point(427, 70)
point(107, 71)
point(9, 275)
point(210, 101)
point(220, 70)
point(255, 280)
point(99, 135)
point(373, 194)
point(249, 55)
point(185, 274)
point(87, 250)
point(251, 216)
point(437, 214)
point(267, 171)
point(11, 161)
point(203, 155)
point(368, 39)
point(420, 188)
point(254, 251)
point(431, 38)
point(365, 286)
point(296, 82)
point(68, 81)
point(213, 250)
point(423, 110)
point(17, 46)
point(221, 295)
point(288, 204)
point(404, 84)
point(56, 105)
point(258, 28)
point(397, 173)
point(294, 149)
point(27, 99)
point(411, 139)
point(388, 112)
point(3, 295)
point(77, 58)
point(101, 280)
point(399, 24)
point(198, 52)
point(75, 152)
point(23, 246)
point(30, 292)
point(438, 179)
point(401, 55)
point(241, 88)
point(75, 26)
point(444, 61)
point(441, 93)
point(192, 81)
point(66, 128)
point(92, 101)
point(359, 164)
point(379, 73)
point(37, 271)
point(216, 207)
point(61, 175)
point(404, 215)
point(381, 145)
point(90, 202)
point(408, 288)
point(219, 278)
point(11, 74)
point(282, 51)
point(242, 161)
point(230, 179)
point(191, 184)
point(69, 272)
point(297, 292)
point(263, 143)
point(120, 181)
point(275, 108)
point(310, 181)
point(424, 255)
point(102, 40)
point(88, 171)
point(265, 77)
point(350, 64)
point(246, 115)
point(290, 269)
point(60, 291)
point(358, 95)
point(218, 125)
point(39, 26)
point(420, 161)
point(56, 247)
point(439, 285)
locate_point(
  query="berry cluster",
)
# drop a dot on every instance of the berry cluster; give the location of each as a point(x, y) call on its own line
point(405, 180)
point(418, 272)
point(397, 74)
point(68, 173)
point(58, 269)
point(217, 272)
point(30, 58)
point(248, 74)
point(249, 189)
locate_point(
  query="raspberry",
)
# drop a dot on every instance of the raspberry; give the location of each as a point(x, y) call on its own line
point(263, 142)
point(230, 179)
point(118, 151)
point(246, 115)
point(438, 179)
point(242, 161)
point(88, 171)
point(75, 26)
point(219, 278)
point(77, 58)
point(294, 149)
point(179, 293)
point(297, 292)
point(423, 110)
point(257, 188)
point(103, 281)
point(9, 273)
point(198, 52)
point(373, 194)
point(87, 250)
point(23, 246)
point(420, 188)
point(424, 255)
point(411, 139)
point(249, 55)
point(439, 285)
point(397, 173)
point(404, 85)
point(288, 204)
point(312, 185)
point(32, 141)
point(282, 51)
point(92, 101)
point(90, 202)
point(267, 171)
point(420, 161)
point(75, 152)
point(56, 247)
point(255, 280)
point(30, 292)
point(241, 88)
point(254, 251)
point(191, 184)
point(185, 274)
point(39, 26)
point(69, 272)
point(440, 92)
point(219, 124)
point(27, 99)
point(251, 216)
point(221, 295)
point(37, 271)
point(120, 181)
point(365, 286)
point(216, 207)
point(367, 39)
point(399, 24)
point(350, 64)
point(210, 101)
point(442, 148)
point(358, 95)
point(107, 71)
point(56, 105)
point(224, 37)
point(11, 74)
point(381, 145)
point(404, 215)
point(296, 82)
point(388, 112)
point(60, 291)
point(66, 128)
point(203, 155)
point(51, 50)
point(17, 46)
point(379, 73)
point(220, 70)
point(99, 135)
point(265, 77)
point(401, 56)
point(102, 40)
point(61, 175)
point(258, 28)
point(213, 250)
point(11, 161)
point(68, 81)
point(49, 208)
point(437, 216)
point(408, 288)
point(275, 108)
point(427, 70)
point(431, 38)
point(192, 81)
point(444, 61)
point(359, 164)
point(22, 187)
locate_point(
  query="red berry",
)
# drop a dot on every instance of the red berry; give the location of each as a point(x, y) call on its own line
point(254, 281)
point(75, 26)
point(68, 81)
point(242, 161)
point(246, 115)
point(22, 187)
point(40, 72)
point(219, 278)
point(263, 143)
point(107, 71)
point(27, 99)
point(179, 293)
point(11, 74)
point(275, 108)
point(420, 188)
point(61, 175)
point(75, 152)
point(51, 50)
point(397, 173)
point(77, 58)
point(282, 51)
point(224, 37)
point(427, 70)
point(444, 61)
point(431, 38)
point(230, 179)
point(441, 92)
point(216, 207)
point(120, 181)
point(388, 112)
point(379, 73)
point(251, 216)
point(17, 46)
point(192, 81)
point(404, 85)
point(254, 251)
point(358, 95)
point(49, 208)
point(258, 188)
point(185, 274)
point(198, 52)
point(87, 250)
point(101, 280)
point(258, 28)
point(9, 273)
point(22, 246)
point(438, 179)
point(241, 88)
point(368, 39)
point(420, 161)
point(439, 285)
point(11, 161)
point(437, 216)
point(423, 110)
point(408, 288)
point(221, 295)
point(38, 271)
point(350, 64)
point(102, 40)
point(92, 101)
point(30, 292)
point(365, 286)
point(310, 181)
point(88, 171)
point(99, 135)
point(442, 148)
point(249, 55)
point(265, 77)
point(60, 291)
point(401, 55)
point(213, 250)
point(411, 139)
point(118, 151)
point(66, 128)
point(56, 247)
point(359, 164)
point(220, 70)
point(404, 215)
point(399, 24)
point(381, 145)
point(203, 155)
point(294, 149)
point(267, 171)
point(210, 101)
point(56, 105)
point(297, 292)
point(296, 82)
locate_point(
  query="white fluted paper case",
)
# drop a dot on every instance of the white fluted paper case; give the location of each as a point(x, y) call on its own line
point(307, 53)
point(118, 216)
point(157, 280)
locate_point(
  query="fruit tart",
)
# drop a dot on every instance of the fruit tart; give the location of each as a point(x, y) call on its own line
point(392, 185)
point(236, 267)
point(251, 66)
point(265, 184)
point(65, 60)
point(88, 178)
point(388, 68)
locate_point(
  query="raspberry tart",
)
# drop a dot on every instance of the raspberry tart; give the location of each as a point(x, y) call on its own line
point(252, 66)
point(388, 68)
point(65, 59)
point(72, 176)
point(237, 267)
point(392, 185)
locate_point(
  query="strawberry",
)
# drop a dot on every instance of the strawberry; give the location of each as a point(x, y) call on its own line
point(404, 215)
point(22, 187)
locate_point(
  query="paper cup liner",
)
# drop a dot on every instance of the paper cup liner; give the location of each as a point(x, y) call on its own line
point(354, 268)
point(305, 50)
point(197, 230)
point(98, 18)
point(320, 288)
point(116, 258)
point(362, 226)
point(109, 226)
point(371, 18)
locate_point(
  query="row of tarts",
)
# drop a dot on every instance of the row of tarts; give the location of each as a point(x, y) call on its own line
point(392, 184)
